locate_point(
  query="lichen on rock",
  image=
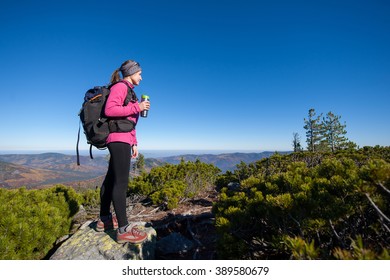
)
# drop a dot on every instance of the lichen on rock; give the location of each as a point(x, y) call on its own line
point(88, 244)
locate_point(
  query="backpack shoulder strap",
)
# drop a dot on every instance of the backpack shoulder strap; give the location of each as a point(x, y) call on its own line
point(77, 146)
point(131, 96)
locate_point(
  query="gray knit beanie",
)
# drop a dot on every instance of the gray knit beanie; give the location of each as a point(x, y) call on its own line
point(130, 68)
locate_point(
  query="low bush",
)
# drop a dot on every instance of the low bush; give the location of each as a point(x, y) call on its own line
point(170, 183)
point(32, 220)
point(308, 206)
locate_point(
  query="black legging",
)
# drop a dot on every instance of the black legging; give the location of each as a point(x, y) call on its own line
point(115, 184)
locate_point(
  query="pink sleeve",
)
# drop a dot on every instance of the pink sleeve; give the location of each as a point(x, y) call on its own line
point(114, 106)
point(133, 134)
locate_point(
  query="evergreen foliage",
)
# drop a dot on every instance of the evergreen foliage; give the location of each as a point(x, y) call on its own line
point(326, 135)
point(334, 132)
point(140, 162)
point(313, 130)
point(169, 184)
point(32, 220)
point(90, 198)
point(296, 143)
point(307, 206)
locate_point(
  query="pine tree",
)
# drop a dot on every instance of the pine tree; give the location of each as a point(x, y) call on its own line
point(296, 142)
point(313, 131)
point(140, 163)
point(334, 132)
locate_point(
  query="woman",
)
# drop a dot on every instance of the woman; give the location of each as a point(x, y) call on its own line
point(121, 145)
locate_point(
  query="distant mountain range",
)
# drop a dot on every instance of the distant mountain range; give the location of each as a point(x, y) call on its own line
point(225, 162)
point(39, 170)
point(46, 169)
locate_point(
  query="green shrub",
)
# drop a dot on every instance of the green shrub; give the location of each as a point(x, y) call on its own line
point(170, 193)
point(32, 220)
point(171, 183)
point(300, 248)
point(359, 252)
point(90, 198)
point(308, 206)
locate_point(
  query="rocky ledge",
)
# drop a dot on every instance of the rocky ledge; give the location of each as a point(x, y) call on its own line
point(186, 232)
point(88, 244)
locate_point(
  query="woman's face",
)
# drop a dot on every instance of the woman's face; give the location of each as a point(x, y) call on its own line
point(136, 78)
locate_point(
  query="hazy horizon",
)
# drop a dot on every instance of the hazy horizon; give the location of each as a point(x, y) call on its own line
point(148, 153)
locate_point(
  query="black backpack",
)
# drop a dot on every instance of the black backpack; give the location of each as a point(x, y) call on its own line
point(96, 125)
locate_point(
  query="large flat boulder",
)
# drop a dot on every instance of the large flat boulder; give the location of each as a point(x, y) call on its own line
point(88, 244)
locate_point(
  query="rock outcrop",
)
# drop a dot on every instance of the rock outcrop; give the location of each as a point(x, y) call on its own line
point(175, 243)
point(88, 244)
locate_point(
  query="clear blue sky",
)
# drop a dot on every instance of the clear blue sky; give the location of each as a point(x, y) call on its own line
point(230, 75)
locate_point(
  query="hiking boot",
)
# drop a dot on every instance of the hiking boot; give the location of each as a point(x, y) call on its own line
point(111, 223)
point(133, 234)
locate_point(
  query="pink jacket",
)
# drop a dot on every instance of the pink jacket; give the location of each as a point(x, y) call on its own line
point(114, 108)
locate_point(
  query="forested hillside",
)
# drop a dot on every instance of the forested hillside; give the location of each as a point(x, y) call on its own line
point(43, 170)
point(225, 161)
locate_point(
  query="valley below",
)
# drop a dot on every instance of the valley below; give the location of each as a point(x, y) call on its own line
point(44, 170)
